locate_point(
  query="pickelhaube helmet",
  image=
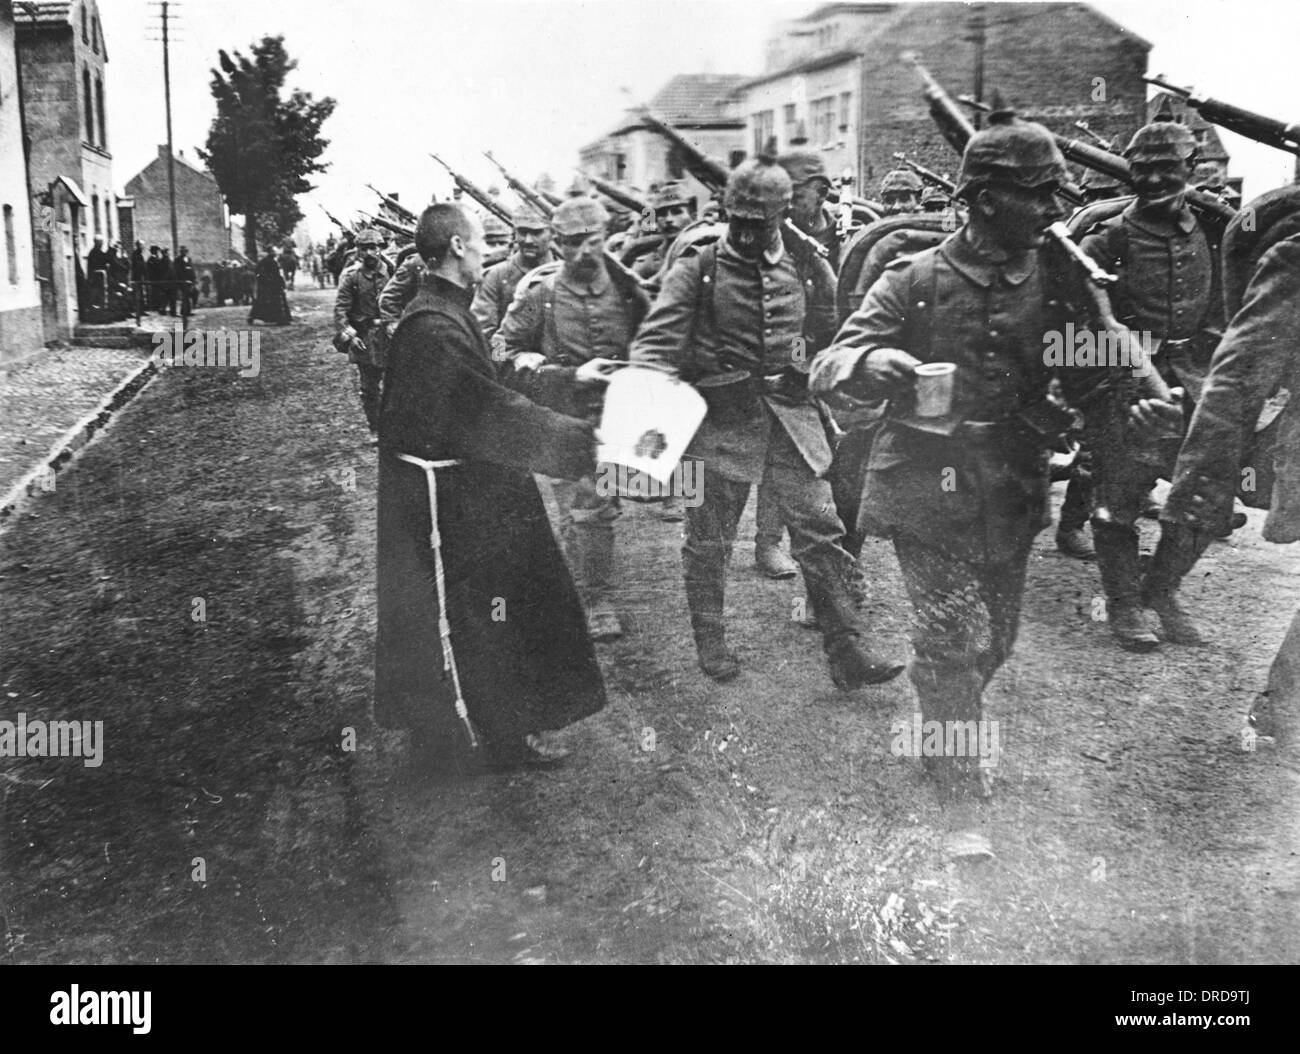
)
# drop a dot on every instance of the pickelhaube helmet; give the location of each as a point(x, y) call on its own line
point(582, 215)
point(1161, 140)
point(901, 181)
point(758, 189)
point(802, 166)
point(1009, 150)
point(369, 237)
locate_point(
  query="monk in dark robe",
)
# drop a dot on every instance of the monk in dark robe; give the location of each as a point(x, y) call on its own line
point(513, 658)
point(269, 301)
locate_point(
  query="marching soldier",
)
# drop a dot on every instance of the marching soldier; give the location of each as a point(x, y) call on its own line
point(740, 320)
point(672, 208)
point(964, 495)
point(900, 192)
point(582, 309)
point(808, 206)
point(532, 249)
point(356, 311)
point(498, 239)
point(1168, 288)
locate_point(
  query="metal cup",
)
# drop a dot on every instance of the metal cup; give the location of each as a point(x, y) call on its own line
point(934, 382)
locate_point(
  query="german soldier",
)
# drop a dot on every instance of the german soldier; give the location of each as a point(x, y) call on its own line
point(964, 495)
point(532, 249)
point(356, 310)
point(740, 320)
point(582, 309)
point(900, 192)
point(1168, 288)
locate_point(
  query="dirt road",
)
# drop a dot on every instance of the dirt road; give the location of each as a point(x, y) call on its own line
point(202, 581)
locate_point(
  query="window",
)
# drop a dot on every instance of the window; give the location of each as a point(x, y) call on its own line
point(94, 209)
point(823, 116)
point(99, 112)
point(846, 100)
point(791, 119)
point(764, 129)
point(85, 32)
point(90, 106)
point(11, 246)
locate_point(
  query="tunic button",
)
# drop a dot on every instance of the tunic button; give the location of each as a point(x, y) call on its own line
point(993, 333)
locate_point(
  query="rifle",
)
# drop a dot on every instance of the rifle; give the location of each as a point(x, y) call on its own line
point(522, 189)
point(1266, 130)
point(396, 228)
point(928, 175)
point(714, 175)
point(553, 199)
point(946, 114)
point(616, 194)
point(1099, 140)
point(395, 205)
point(334, 219)
point(479, 195)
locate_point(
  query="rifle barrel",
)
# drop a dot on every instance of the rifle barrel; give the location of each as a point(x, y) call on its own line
point(1266, 130)
point(472, 189)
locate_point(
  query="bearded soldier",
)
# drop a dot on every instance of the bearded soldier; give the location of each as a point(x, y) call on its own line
point(740, 320)
point(585, 308)
point(532, 249)
point(964, 495)
point(356, 314)
point(1168, 288)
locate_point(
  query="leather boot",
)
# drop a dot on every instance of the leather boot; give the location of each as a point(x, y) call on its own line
point(1117, 560)
point(853, 663)
point(705, 578)
point(945, 692)
point(1179, 549)
point(592, 557)
point(773, 561)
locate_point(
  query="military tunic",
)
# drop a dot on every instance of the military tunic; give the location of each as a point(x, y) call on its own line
point(496, 291)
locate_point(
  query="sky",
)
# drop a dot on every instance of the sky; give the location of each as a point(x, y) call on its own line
point(533, 80)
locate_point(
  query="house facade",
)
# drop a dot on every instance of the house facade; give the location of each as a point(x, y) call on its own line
point(21, 327)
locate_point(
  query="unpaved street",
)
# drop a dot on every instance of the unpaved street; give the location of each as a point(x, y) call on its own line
point(763, 820)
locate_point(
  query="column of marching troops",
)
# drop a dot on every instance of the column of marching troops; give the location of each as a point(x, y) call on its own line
point(814, 405)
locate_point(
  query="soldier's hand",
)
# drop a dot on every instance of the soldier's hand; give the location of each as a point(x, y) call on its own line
point(597, 371)
point(528, 360)
point(887, 368)
point(1159, 416)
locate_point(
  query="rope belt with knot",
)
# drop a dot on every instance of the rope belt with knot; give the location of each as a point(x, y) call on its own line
point(444, 623)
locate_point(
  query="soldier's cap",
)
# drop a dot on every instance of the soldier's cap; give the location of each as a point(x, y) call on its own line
point(581, 215)
point(802, 166)
point(1165, 140)
point(527, 218)
point(758, 189)
point(901, 181)
point(1010, 151)
point(369, 236)
point(930, 194)
point(1094, 180)
point(671, 193)
point(494, 227)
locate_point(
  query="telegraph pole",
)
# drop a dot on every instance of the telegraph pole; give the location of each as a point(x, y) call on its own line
point(166, 15)
point(977, 34)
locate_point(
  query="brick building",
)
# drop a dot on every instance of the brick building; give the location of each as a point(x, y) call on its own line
point(836, 76)
point(62, 59)
point(21, 326)
point(202, 222)
point(699, 105)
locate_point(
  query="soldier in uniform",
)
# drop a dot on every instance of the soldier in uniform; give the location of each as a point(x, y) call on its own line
point(532, 249)
point(585, 308)
point(741, 320)
point(900, 192)
point(672, 208)
point(356, 312)
point(1255, 365)
point(963, 497)
point(1168, 288)
point(808, 207)
point(934, 200)
point(498, 239)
